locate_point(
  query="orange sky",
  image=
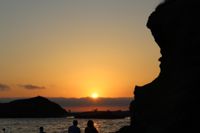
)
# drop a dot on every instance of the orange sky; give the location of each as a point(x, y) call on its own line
point(76, 48)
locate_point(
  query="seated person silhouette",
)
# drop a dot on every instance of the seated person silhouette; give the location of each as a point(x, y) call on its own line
point(90, 127)
point(74, 128)
point(41, 130)
point(4, 130)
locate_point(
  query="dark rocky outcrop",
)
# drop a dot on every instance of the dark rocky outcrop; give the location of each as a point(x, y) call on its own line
point(125, 129)
point(31, 108)
point(170, 104)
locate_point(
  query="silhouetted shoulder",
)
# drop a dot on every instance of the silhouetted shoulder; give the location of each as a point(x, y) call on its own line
point(90, 130)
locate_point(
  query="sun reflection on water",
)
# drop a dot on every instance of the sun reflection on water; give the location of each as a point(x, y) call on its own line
point(59, 125)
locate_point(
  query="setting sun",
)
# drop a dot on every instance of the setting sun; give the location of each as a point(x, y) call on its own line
point(94, 95)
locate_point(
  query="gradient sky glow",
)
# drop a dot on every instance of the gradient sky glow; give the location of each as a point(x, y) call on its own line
point(75, 48)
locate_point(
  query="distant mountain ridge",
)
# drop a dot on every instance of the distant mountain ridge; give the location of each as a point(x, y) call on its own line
point(35, 107)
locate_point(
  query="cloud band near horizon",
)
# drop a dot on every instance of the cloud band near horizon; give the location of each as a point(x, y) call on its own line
point(31, 87)
point(83, 102)
point(4, 87)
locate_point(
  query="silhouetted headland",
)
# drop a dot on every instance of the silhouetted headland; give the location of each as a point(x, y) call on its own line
point(169, 104)
point(103, 115)
point(37, 107)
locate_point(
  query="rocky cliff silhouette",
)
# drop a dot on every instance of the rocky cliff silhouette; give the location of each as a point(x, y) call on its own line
point(31, 108)
point(170, 104)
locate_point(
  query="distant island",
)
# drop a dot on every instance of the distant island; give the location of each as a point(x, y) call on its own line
point(37, 107)
point(40, 107)
point(102, 114)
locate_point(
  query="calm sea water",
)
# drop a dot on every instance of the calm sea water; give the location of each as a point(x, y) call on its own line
point(58, 125)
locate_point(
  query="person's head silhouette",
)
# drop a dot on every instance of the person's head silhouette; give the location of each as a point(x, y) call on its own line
point(41, 129)
point(90, 123)
point(75, 122)
point(4, 130)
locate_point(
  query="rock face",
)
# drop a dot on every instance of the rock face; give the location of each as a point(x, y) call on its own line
point(170, 104)
point(31, 108)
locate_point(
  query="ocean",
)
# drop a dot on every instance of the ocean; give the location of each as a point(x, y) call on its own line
point(58, 125)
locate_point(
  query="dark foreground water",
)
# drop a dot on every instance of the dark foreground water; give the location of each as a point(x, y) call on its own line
point(58, 125)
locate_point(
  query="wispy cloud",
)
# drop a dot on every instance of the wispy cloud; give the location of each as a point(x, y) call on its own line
point(53, 85)
point(4, 87)
point(32, 87)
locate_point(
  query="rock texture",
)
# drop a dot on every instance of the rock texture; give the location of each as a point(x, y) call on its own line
point(170, 104)
point(32, 108)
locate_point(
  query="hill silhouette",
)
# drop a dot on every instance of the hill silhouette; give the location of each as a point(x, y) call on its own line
point(31, 108)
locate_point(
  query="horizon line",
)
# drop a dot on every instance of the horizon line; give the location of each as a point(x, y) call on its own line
point(69, 97)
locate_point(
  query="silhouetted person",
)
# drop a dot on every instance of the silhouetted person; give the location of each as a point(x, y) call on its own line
point(90, 127)
point(4, 130)
point(74, 128)
point(41, 130)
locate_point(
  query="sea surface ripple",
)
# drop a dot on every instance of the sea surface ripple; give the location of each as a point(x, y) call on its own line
point(58, 125)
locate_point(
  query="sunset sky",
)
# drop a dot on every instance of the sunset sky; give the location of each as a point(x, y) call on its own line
point(76, 48)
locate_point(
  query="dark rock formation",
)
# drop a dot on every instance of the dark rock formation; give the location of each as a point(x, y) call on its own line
point(31, 108)
point(170, 104)
point(125, 129)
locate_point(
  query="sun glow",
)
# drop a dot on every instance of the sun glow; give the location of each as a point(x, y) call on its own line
point(94, 95)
